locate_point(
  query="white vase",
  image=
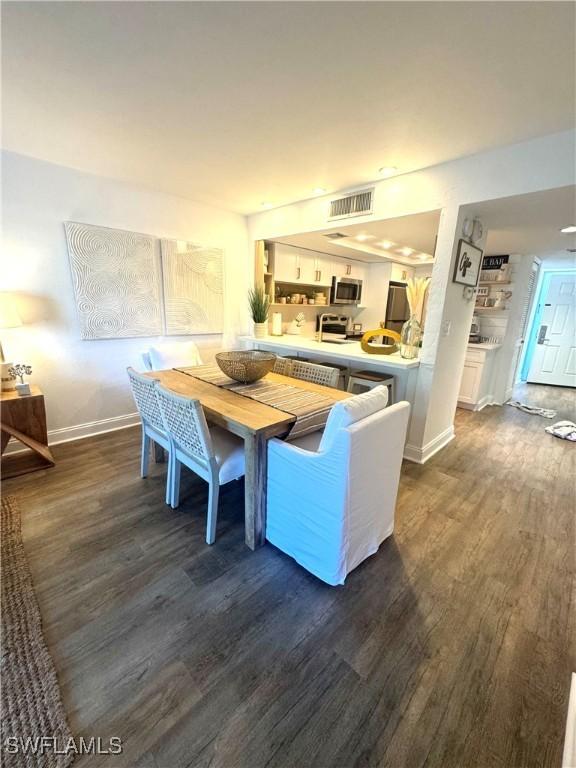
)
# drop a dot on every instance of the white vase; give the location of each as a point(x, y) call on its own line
point(260, 330)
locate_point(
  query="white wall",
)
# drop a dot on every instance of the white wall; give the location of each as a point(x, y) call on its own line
point(455, 187)
point(531, 166)
point(85, 381)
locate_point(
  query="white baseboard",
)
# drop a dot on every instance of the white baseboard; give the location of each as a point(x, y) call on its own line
point(487, 400)
point(80, 431)
point(421, 455)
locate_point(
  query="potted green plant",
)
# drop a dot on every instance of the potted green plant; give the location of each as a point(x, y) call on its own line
point(259, 307)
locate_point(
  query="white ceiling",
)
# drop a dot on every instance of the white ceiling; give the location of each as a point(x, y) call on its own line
point(529, 224)
point(525, 224)
point(237, 103)
point(417, 232)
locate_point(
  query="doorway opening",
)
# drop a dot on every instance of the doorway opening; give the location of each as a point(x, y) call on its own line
point(550, 354)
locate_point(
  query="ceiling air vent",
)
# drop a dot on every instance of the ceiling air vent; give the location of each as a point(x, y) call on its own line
point(335, 235)
point(356, 204)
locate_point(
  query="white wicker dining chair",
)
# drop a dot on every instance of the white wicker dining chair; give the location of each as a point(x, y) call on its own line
point(283, 366)
point(298, 369)
point(313, 372)
point(144, 393)
point(214, 454)
point(171, 354)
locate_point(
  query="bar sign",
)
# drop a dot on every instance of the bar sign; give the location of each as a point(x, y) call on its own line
point(494, 262)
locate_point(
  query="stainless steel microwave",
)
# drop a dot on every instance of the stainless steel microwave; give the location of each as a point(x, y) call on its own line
point(345, 290)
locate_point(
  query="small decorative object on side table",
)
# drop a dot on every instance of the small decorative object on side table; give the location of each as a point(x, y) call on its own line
point(19, 371)
point(24, 419)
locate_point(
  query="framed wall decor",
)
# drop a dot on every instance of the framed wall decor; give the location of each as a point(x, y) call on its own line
point(468, 262)
point(117, 281)
point(193, 287)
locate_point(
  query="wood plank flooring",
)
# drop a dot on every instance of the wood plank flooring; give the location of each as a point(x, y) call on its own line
point(453, 646)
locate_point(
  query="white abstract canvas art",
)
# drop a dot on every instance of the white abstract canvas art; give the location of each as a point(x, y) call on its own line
point(193, 287)
point(117, 282)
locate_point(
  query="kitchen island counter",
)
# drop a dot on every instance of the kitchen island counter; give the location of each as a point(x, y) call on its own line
point(349, 354)
point(349, 350)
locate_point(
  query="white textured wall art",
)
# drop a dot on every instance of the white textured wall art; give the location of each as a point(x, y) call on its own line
point(116, 276)
point(193, 287)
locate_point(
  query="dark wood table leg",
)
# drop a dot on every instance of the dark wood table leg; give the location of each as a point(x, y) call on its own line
point(256, 455)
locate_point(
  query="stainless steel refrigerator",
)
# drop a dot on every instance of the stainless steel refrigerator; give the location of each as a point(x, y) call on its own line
point(397, 308)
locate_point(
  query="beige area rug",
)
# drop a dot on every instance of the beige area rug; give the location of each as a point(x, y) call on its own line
point(30, 696)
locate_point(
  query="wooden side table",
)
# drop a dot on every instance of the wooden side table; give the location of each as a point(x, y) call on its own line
point(24, 419)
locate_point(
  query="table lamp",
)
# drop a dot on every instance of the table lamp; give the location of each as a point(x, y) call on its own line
point(9, 318)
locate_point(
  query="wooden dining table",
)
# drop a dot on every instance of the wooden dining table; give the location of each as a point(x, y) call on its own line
point(255, 423)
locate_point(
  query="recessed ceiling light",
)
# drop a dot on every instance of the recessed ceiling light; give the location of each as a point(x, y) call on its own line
point(568, 230)
point(266, 205)
point(319, 191)
point(406, 251)
point(387, 171)
point(386, 244)
point(362, 238)
point(423, 256)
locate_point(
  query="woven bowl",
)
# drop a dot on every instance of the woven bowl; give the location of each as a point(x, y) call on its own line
point(246, 366)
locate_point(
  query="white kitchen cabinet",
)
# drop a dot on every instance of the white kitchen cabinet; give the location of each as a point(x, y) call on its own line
point(323, 271)
point(286, 265)
point(470, 384)
point(401, 273)
point(349, 268)
point(477, 383)
point(296, 266)
point(305, 267)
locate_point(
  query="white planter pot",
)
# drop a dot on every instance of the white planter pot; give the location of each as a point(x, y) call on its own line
point(260, 330)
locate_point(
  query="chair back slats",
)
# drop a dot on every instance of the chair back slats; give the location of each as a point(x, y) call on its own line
point(283, 366)
point(318, 374)
point(144, 392)
point(186, 425)
point(313, 372)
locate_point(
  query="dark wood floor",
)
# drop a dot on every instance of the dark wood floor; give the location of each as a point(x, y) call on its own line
point(453, 646)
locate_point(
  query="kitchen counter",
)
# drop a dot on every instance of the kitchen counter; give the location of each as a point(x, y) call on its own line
point(351, 351)
point(351, 355)
point(487, 347)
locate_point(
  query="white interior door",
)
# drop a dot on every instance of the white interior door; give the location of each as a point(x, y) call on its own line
point(554, 358)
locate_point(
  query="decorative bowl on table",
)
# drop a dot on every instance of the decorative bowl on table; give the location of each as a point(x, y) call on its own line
point(246, 366)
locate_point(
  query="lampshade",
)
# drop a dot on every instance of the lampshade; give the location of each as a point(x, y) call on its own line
point(9, 317)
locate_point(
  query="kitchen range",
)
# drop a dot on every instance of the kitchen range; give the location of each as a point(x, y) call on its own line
point(334, 329)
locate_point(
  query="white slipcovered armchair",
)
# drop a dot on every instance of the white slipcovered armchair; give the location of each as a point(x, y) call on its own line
point(331, 495)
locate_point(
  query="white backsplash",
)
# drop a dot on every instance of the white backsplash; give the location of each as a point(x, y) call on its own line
point(289, 312)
